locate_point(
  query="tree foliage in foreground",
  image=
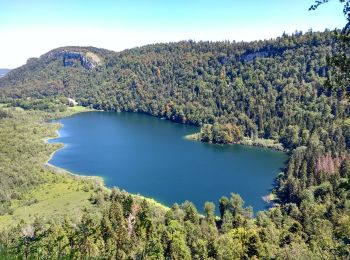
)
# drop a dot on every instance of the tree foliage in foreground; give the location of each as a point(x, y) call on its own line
point(129, 229)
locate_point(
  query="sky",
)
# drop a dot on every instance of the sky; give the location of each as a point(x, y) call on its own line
point(30, 28)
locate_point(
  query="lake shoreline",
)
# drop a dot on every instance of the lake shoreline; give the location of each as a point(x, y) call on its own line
point(58, 170)
point(98, 180)
point(257, 142)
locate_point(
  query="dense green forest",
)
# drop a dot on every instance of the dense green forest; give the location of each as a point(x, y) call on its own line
point(270, 89)
point(273, 89)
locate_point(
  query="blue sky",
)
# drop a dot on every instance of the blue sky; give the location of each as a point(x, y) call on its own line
point(31, 28)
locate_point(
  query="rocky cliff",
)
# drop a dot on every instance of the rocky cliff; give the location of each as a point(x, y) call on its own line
point(70, 58)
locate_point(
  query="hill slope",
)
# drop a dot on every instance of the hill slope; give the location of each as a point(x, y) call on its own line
point(261, 86)
point(51, 73)
point(267, 89)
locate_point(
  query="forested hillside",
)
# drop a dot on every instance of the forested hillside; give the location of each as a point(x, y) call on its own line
point(271, 89)
point(266, 89)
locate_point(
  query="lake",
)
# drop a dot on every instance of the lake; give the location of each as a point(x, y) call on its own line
point(151, 157)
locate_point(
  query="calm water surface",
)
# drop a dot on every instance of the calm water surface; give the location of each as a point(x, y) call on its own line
point(149, 156)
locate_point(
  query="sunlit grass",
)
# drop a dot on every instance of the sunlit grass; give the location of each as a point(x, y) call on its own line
point(79, 109)
point(59, 193)
point(61, 196)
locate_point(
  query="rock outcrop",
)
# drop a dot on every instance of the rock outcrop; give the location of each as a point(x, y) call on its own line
point(70, 58)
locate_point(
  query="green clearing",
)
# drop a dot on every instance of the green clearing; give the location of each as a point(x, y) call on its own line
point(60, 197)
point(79, 109)
point(267, 143)
point(29, 190)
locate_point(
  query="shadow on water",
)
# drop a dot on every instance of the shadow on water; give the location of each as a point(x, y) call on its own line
point(274, 186)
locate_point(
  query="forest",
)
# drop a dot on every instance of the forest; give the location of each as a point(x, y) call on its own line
point(273, 89)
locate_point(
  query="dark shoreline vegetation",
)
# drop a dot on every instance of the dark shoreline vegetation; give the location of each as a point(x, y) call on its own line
point(262, 90)
point(142, 154)
point(260, 142)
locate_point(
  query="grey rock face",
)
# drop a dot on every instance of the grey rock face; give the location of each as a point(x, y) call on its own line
point(71, 58)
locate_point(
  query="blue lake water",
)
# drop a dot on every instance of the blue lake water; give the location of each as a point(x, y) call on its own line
point(149, 156)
